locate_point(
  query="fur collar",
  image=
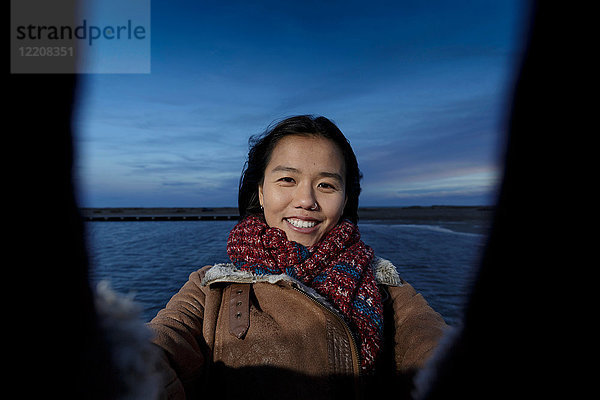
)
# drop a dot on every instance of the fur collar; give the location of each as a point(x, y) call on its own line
point(384, 271)
point(385, 274)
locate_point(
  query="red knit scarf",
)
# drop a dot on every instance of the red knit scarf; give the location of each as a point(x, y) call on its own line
point(338, 268)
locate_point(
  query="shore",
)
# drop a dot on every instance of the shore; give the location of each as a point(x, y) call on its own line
point(414, 214)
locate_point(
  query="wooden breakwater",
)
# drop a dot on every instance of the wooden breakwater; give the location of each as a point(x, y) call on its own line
point(159, 214)
point(414, 213)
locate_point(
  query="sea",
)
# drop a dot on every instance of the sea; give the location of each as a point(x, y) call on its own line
point(150, 260)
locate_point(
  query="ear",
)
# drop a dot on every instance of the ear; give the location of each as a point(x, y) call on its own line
point(260, 195)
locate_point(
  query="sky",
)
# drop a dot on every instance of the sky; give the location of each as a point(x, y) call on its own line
point(421, 89)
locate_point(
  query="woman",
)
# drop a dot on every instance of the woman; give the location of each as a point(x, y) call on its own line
point(304, 309)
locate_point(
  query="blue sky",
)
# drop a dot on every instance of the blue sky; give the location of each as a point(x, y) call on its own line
point(420, 88)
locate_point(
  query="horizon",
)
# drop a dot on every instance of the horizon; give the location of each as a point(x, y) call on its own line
point(421, 91)
point(235, 207)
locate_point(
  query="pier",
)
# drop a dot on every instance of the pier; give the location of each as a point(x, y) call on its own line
point(160, 214)
point(161, 217)
point(406, 214)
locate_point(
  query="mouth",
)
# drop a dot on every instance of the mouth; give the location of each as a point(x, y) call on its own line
point(301, 225)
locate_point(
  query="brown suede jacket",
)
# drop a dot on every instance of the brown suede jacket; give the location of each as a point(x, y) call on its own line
point(233, 334)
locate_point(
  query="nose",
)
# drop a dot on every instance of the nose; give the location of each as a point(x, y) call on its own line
point(305, 198)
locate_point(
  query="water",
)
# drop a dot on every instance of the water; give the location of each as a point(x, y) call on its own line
point(151, 260)
point(439, 262)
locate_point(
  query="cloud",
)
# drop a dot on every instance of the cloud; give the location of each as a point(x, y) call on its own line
point(416, 88)
point(449, 149)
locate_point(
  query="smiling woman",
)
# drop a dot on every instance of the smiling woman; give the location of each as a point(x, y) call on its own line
point(304, 301)
point(303, 192)
point(301, 128)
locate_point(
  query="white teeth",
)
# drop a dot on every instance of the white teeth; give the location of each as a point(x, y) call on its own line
point(298, 223)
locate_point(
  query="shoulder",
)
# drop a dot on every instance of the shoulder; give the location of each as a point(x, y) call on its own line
point(402, 294)
point(197, 276)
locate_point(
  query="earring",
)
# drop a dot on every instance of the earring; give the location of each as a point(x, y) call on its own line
point(314, 207)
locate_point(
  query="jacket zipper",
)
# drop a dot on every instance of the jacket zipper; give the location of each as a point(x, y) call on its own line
point(353, 345)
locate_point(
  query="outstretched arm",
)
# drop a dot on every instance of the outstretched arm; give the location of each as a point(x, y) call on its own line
point(178, 332)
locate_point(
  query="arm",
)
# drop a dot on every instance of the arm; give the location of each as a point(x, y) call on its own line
point(178, 332)
point(418, 328)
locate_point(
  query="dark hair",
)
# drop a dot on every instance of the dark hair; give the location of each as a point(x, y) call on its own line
point(262, 146)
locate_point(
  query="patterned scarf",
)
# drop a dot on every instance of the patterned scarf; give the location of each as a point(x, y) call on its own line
point(338, 268)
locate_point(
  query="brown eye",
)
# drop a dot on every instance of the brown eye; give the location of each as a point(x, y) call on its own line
point(325, 185)
point(286, 179)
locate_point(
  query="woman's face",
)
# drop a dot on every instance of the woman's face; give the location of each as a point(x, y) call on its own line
point(303, 191)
